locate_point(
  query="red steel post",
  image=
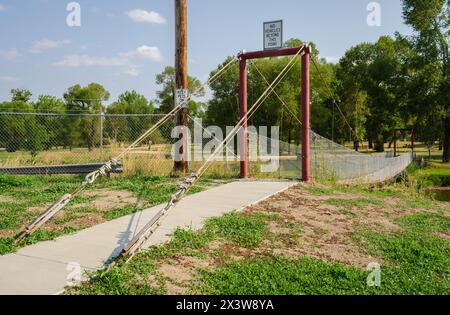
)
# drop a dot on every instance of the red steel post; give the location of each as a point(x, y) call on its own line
point(306, 177)
point(271, 53)
point(243, 145)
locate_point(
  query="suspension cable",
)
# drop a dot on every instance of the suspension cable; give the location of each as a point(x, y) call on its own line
point(277, 95)
point(210, 134)
point(137, 242)
point(252, 110)
point(108, 166)
point(177, 108)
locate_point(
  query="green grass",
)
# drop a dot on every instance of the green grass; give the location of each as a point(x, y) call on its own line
point(237, 229)
point(418, 263)
point(434, 174)
point(320, 190)
point(132, 279)
point(244, 230)
point(25, 192)
point(414, 261)
point(281, 276)
point(30, 191)
point(348, 213)
point(411, 193)
point(418, 259)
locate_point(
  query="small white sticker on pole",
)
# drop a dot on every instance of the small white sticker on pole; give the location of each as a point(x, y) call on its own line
point(273, 35)
point(182, 97)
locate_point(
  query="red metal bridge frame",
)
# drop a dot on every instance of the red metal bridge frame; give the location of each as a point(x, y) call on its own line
point(304, 102)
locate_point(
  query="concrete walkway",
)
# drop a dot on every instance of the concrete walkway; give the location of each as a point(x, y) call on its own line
point(45, 267)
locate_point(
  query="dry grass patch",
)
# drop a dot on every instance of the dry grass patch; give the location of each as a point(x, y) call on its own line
point(106, 199)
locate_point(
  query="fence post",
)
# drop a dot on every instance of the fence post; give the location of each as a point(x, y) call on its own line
point(306, 177)
point(243, 145)
point(102, 114)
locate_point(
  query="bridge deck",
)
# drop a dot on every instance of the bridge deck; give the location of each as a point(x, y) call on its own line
point(43, 268)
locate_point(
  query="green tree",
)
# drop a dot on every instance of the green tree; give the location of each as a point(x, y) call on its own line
point(165, 96)
point(129, 128)
point(22, 95)
point(13, 128)
point(16, 130)
point(429, 87)
point(223, 108)
point(371, 80)
point(36, 137)
point(53, 125)
point(87, 100)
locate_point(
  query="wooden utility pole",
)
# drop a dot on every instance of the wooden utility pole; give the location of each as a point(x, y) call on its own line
point(181, 82)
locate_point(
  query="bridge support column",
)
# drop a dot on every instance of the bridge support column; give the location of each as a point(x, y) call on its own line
point(305, 102)
point(243, 144)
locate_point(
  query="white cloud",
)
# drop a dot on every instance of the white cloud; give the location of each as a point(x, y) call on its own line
point(126, 60)
point(10, 55)
point(331, 59)
point(88, 61)
point(47, 44)
point(152, 53)
point(2, 8)
point(143, 16)
point(8, 78)
point(147, 52)
point(133, 70)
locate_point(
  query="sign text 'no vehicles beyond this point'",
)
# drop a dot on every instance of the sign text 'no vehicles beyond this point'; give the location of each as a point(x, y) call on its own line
point(273, 35)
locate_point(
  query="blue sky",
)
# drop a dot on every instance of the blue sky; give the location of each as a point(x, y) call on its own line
point(124, 44)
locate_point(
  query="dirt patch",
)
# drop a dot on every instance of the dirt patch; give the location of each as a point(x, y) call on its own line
point(276, 228)
point(38, 210)
point(445, 236)
point(327, 230)
point(179, 272)
point(6, 199)
point(106, 199)
point(103, 200)
point(305, 225)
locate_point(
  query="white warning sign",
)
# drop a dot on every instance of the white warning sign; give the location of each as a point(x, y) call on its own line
point(273, 35)
point(182, 97)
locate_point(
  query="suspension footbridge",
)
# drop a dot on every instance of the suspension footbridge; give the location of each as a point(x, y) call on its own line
point(48, 267)
point(312, 158)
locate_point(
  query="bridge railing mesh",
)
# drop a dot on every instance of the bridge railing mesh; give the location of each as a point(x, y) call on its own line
point(330, 160)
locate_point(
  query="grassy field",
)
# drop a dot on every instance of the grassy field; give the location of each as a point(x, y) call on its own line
point(22, 198)
point(316, 239)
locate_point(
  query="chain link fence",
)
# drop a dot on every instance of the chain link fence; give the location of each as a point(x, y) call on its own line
point(36, 139)
point(33, 143)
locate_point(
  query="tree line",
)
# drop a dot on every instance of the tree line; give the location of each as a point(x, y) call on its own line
point(396, 83)
point(82, 128)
